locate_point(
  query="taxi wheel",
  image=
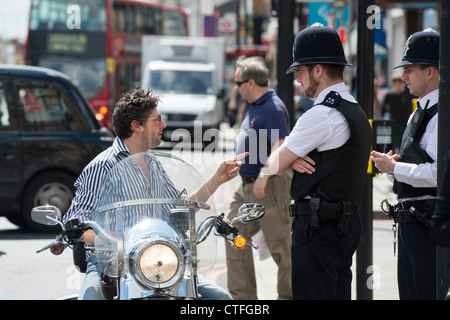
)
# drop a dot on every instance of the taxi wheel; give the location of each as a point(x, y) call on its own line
point(55, 188)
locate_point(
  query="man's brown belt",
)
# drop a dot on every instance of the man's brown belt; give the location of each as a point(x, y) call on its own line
point(248, 180)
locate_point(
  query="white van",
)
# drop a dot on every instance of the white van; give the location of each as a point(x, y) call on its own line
point(188, 76)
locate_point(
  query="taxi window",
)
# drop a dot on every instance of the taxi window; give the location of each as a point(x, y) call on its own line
point(47, 108)
point(5, 120)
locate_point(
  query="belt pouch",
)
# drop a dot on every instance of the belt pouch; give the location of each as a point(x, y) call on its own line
point(292, 211)
point(344, 219)
point(404, 216)
point(314, 221)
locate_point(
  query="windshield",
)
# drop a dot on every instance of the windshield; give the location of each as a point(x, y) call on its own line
point(148, 197)
point(181, 82)
point(88, 15)
point(88, 74)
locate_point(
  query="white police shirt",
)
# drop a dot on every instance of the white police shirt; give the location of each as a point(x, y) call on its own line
point(424, 174)
point(320, 127)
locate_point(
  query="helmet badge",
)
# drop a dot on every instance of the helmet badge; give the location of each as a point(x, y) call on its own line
point(406, 48)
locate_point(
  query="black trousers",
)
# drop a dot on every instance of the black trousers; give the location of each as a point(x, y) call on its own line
point(322, 259)
point(416, 264)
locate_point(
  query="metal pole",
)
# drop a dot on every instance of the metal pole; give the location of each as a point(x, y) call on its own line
point(238, 26)
point(285, 83)
point(364, 95)
point(443, 254)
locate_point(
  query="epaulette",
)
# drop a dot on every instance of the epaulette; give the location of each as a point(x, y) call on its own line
point(332, 99)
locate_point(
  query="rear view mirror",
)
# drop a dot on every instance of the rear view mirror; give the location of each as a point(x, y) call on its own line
point(47, 215)
point(249, 212)
point(204, 229)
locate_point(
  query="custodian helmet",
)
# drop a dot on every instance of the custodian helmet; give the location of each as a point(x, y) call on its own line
point(421, 48)
point(317, 44)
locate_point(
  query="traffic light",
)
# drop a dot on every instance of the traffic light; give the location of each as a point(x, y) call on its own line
point(342, 33)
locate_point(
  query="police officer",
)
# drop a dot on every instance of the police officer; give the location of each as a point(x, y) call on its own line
point(415, 170)
point(328, 149)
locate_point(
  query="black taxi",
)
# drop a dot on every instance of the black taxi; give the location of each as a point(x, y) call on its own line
point(48, 134)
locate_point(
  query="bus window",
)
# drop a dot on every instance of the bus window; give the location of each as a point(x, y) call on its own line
point(152, 20)
point(174, 23)
point(56, 15)
point(87, 74)
point(119, 17)
point(129, 76)
point(133, 19)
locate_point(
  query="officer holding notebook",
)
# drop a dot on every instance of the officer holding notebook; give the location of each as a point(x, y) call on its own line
point(415, 170)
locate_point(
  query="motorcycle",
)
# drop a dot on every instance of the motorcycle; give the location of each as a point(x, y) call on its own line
point(152, 230)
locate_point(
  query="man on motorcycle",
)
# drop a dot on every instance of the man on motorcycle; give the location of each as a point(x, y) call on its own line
point(138, 126)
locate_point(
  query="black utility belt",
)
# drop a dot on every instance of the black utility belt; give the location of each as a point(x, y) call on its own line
point(321, 211)
point(409, 211)
point(327, 211)
point(406, 205)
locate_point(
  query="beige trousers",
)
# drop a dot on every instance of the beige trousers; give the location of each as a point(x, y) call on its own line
point(275, 225)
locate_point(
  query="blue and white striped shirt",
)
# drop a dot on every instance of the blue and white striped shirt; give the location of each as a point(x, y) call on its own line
point(133, 183)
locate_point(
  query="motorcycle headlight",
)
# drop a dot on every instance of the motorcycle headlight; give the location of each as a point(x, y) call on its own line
point(157, 264)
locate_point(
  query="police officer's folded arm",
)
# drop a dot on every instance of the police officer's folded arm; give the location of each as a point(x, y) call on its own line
point(279, 161)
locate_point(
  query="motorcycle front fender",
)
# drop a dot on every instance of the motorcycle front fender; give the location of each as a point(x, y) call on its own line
point(185, 289)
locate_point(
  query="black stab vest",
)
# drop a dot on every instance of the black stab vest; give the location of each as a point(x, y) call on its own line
point(411, 152)
point(340, 173)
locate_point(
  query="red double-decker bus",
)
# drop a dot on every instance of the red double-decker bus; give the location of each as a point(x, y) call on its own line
point(97, 43)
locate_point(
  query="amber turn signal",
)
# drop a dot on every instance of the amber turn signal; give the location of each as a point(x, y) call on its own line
point(240, 242)
point(57, 248)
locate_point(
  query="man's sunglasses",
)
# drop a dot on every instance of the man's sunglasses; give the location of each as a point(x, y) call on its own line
point(157, 119)
point(239, 83)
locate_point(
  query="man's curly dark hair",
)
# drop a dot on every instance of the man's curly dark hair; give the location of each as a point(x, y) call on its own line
point(136, 104)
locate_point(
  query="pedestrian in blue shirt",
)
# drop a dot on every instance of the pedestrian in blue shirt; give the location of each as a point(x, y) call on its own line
point(263, 129)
